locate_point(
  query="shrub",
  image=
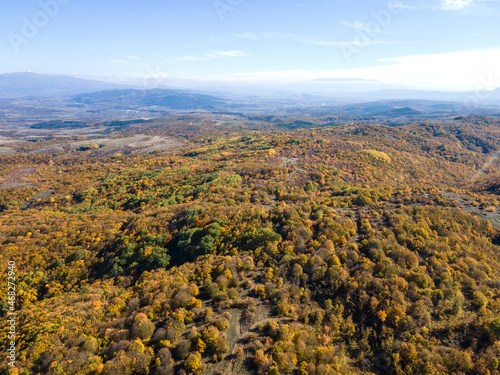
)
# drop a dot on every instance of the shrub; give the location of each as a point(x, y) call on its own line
point(182, 349)
point(193, 362)
point(221, 324)
point(142, 327)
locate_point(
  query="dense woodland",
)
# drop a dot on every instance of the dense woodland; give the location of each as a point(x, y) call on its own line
point(258, 248)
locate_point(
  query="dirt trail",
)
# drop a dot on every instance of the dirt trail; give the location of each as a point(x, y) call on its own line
point(232, 364)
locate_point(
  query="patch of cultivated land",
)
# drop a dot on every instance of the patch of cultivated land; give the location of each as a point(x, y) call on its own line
point(107, 146)
point(29, 132)
point(467, 206)
point(5, 142)
point(7, 151)
point(8, 141)
point(17, 178)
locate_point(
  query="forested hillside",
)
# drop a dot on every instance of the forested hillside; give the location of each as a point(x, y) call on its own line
point(258, 249)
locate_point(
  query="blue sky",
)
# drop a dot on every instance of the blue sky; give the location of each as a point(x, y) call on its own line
point(426, 44)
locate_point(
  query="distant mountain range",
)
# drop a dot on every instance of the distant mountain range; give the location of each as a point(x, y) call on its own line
point(167, 98)
point(467, 98)
point(32, 84)
point(15, 85)
point(90, 100)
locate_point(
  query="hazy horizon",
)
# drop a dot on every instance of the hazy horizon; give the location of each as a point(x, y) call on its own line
point(446, 45)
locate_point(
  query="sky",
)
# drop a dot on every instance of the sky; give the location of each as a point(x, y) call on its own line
point(448, 45)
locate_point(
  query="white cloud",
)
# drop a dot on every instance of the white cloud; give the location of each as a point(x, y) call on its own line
point(213, 55)
point(460, 70)
point(452, 5)
point(366, 27)
point(463, 70)
point(312, 41)
point(191, 58)
point(227, 54)
point(455, 4)
point(125, 61)
point(353, 43)
point(267, 35)
point(119, 62)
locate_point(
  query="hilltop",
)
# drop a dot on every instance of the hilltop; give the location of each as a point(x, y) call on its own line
point(254, 245)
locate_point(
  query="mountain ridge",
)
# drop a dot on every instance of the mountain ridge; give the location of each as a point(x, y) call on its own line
point(14, 85)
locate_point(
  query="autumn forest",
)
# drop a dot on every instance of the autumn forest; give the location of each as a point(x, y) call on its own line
point(255, 245)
